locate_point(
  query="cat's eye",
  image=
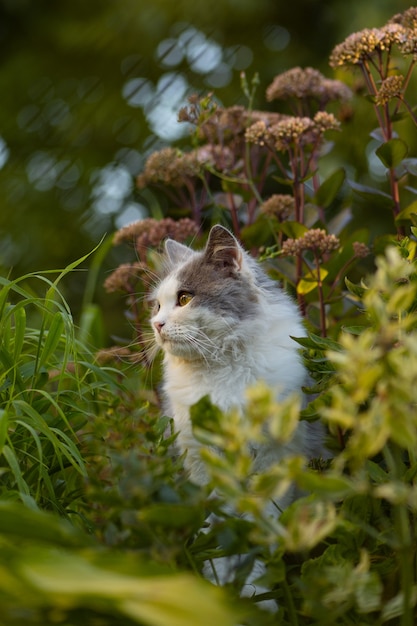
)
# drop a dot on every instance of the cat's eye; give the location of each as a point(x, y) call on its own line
point(184, 297)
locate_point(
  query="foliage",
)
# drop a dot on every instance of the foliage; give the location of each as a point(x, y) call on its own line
point(48, 389)
point(84, 441)
point(61, 577)
point(57, 442)
point(99, 88)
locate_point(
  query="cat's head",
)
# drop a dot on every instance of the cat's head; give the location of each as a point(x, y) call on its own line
point(205, 297)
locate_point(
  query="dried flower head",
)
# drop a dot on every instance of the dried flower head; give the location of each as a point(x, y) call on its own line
point(307, 83)
point(360, 250)
point(391, 87)
point(116, 353)
point(315, 239)
point(227, 126)
point(169, 166)
point(258, 133)
point(291, 130)
point(325, 121)
point(408, 21)
point(278, 205)
point(358, 47)
point(150, 232)
point(125, 277)
point(408, 18)
point(221, 158)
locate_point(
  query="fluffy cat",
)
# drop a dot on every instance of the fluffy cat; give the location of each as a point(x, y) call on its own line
point(223, 324)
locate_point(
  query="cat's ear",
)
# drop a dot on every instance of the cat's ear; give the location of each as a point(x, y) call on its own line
point(177, 252)
point(223, 249)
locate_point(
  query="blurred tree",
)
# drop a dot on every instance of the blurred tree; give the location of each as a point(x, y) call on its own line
point(89, 89)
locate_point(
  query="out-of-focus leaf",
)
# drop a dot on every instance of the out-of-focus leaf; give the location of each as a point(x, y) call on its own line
point(410, 164)
point(392, 152)
point(91, 328)
point(171, 515)
point(406, 214)
point(21, 523)
point(69, 581)
point(371, 194)
point(329, 188)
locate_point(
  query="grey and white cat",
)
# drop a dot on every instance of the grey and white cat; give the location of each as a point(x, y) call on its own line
point(223, 324)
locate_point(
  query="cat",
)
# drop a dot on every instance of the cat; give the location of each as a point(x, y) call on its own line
point(223, 325)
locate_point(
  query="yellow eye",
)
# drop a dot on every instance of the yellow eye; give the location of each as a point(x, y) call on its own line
point(184, 297)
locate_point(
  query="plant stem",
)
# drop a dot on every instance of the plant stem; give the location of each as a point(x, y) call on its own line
point(405, 551)
point(323, 328)
point(292, 613)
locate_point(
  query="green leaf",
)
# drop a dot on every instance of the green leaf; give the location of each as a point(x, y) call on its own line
point(392, 152)
point(19, 315)
point(20, 522)
point(171, 515)
point(376, 473)
point(329, 188)
point(406, 214)
point(371, 194)
point(4, 423)
point(355, 290)
point(53, 337)
point(292, 229)
point(327, 485)
point(310, 280)
point(13, 463)
point(91, 328)
point(315, 342)
point(70, 580)
point(205, 414)
point(410, 165)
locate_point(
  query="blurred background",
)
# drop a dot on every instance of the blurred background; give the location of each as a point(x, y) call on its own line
point(90, 89)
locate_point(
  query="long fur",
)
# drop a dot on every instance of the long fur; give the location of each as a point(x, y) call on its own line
point(236, 329)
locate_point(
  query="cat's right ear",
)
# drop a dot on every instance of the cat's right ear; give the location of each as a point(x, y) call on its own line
point(176, 252)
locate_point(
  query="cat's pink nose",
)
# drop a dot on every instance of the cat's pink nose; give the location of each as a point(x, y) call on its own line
point(159, 326)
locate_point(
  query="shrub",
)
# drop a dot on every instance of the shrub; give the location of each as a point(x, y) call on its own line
point(88, 441)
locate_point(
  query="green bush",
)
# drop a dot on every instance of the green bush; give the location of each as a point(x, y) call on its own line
point(85, 441)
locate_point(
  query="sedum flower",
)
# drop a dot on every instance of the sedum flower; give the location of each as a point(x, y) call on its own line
point(278, 205)
point(408, 19)
point(292, 130)
point(360, 250)
point(391, 87)
point(257, 133)
point(169, 166)
point(295, 129)
point(315, 239)
point(219, 157)
point(360, 46)
point(227, 126)
point(124, 277)
point(306, 83)
point(115, 353)
point(281, 135)
point(150, 232)
point(325, 121)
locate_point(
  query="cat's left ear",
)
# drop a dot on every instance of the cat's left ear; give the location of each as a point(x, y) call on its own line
point(177, 252)
point(223, 249)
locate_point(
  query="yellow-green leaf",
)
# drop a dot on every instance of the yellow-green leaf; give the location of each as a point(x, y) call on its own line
point(311, 280)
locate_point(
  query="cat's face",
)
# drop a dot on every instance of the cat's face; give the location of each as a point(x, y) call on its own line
point(200, 304)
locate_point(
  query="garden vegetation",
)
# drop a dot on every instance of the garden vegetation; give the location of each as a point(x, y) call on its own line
point(98, 521)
